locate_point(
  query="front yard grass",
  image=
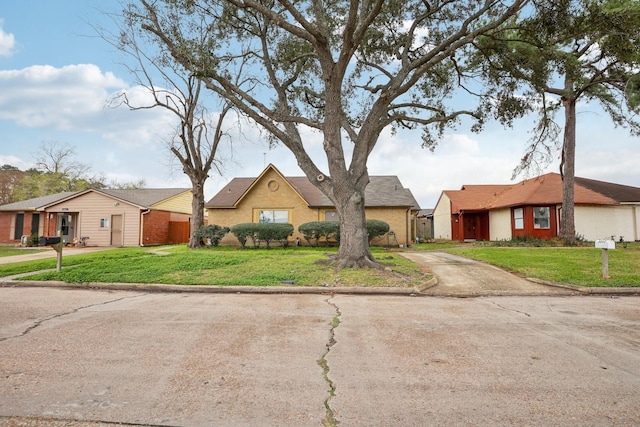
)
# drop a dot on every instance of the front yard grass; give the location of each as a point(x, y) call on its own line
point(305, 266)
point(223, 266)
point(6, 250)
point(572, 265)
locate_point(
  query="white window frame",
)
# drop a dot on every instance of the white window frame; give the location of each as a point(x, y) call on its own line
point(542, 215)
point(518, 218)
point(274, 216)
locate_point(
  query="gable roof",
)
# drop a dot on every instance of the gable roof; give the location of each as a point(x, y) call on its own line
point(545, 189)
point(37, 202)
point(474, 197)
point(141, 197)
point(382, 191)
point(144, 197)
point(619, 193)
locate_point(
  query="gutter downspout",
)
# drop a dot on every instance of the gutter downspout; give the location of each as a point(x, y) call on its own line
point(408, 237)
point(141, 236)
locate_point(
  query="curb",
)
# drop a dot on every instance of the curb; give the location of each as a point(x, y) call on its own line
point(158, 287)
point(588, 290)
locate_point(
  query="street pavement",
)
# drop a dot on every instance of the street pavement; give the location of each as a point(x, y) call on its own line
point(521, 355)
point(85, 358)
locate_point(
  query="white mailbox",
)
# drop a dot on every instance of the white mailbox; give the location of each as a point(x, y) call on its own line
point(605, 244)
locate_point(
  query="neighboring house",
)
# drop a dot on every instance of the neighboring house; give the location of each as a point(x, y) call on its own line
point(136, 217)
point(533, 208)
point(272, 197)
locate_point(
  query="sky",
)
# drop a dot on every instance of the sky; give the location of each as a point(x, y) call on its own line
point(57, 77)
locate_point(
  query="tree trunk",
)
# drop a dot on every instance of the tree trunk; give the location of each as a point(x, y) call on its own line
point(567, 171)
point(197, 209)
point(354, 242)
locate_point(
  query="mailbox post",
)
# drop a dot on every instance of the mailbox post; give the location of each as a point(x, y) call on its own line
point(605, 245)
point(56, 243)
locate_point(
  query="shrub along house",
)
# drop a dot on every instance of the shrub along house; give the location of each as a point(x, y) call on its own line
point(272, 197)
point(135, 217)
point(532, 208)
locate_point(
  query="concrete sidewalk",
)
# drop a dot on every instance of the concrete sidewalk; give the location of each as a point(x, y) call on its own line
point(36, 254)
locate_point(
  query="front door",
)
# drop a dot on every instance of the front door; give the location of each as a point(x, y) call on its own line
point(116, 230)
point(469, 227)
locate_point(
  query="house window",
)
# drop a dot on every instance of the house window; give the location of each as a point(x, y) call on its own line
point(518, 219)
point(274, 216)
point(104, 223)
point(331, 216)
point(541, 218)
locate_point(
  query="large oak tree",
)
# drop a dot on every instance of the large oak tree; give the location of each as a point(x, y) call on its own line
point(345, 68)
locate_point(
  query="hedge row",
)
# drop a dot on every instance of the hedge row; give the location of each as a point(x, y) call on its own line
point(262, 232)
point(313, 232)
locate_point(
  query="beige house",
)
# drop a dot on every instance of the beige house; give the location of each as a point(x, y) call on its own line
point(272, 197)
point(533, 208)
point(136, 217)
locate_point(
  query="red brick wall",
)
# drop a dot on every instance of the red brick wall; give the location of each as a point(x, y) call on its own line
point(7, 234)
point(156, 228)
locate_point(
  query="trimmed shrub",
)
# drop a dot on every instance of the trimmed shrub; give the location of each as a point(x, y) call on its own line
point(214, 233)
point(244, 231)
point(314, 231)
point(376, 228)
point(258, 232)
point(269, 232)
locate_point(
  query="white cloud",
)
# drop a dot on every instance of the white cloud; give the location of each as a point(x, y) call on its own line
point(7, 42)
point(42, 96)
point(15, 161)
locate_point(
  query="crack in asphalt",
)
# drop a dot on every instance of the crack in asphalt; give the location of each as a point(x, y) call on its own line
point(66, 422)
point(58, 315)
point(509, 309)
point(335, 322)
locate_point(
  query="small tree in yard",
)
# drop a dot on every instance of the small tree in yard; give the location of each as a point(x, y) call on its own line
point(347, 69)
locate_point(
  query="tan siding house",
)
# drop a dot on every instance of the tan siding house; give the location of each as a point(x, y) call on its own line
point(137, 217)
point(272, 197)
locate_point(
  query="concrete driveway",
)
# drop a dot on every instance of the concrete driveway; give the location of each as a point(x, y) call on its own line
point(462, 277)
point(86, 358)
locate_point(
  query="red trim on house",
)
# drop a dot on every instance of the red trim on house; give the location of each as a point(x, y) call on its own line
point(530, 229)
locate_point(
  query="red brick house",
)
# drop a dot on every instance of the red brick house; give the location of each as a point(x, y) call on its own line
point(136, 217)
point(532, 208)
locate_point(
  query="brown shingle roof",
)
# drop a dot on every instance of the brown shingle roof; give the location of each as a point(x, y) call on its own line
point(36, 203)
point(474, 197)
point(545, 189)
point(142, 197)
point(382, 191)
point(619, 193)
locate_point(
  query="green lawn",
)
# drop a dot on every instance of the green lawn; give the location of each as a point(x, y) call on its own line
point(221, 266)
point(304, 266)
point(578, 266)
point(13, 250)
